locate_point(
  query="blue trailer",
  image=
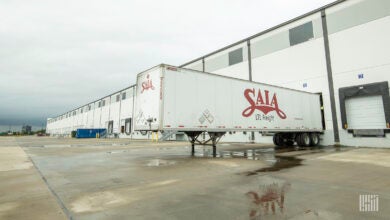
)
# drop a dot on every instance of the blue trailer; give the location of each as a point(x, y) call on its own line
point(90, 132)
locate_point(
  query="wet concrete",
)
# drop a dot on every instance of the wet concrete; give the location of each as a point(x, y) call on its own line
point(266, 154)
point(282, 162)
point(122, 179)
point(23, 191)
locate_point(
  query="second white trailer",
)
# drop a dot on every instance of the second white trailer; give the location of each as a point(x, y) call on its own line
point(171, 98)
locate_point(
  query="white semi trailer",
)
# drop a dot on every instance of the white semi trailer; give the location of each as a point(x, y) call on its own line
point(176, 99)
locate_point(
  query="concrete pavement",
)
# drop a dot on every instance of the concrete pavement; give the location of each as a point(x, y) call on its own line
point(125, 179)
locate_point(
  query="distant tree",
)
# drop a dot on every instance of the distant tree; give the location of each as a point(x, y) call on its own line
point(26, 130)
point(41, 132)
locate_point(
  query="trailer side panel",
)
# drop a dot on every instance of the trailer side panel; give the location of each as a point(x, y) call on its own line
point(196, 101)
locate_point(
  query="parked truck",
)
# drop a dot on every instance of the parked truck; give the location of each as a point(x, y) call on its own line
point(177, 99)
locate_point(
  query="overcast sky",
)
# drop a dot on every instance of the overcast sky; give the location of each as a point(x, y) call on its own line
point(58, 55)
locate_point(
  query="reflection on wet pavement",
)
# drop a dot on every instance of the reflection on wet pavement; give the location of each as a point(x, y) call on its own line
point(269, 197)
point(274, 158)
point(281, 163)
point(160, 162)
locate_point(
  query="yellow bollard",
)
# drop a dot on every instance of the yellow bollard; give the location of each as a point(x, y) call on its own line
point(154, 137)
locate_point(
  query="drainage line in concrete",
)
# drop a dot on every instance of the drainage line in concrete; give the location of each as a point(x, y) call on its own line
point(59, 201)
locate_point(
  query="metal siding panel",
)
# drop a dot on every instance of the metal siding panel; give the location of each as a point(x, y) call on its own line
point(271, 44)
point(357, 14)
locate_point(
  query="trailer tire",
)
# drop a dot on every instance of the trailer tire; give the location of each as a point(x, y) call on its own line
point(290, 143)
point(275, 140)
point(314, 139)
point(298, 139)
point(303, 140)
point(278, 139)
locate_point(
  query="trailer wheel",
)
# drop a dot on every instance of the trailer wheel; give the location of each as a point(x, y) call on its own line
point(303, 140)
point(275, 140)
point(298, 139)
point(290, 143)
point(278, 139)
point(314, 139)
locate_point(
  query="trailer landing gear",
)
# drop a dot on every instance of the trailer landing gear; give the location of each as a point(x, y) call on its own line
point(214, 137)
point(193, 137)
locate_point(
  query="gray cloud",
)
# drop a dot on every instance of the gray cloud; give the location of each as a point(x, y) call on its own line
point(57, 55)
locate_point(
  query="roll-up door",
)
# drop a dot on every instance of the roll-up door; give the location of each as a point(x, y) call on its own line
point(365, 112)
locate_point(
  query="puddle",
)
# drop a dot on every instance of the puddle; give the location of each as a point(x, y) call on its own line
point(224, 163)
point(116, 152)
point(56, 145)
point(264, 154)
point(305, 149)
point(275, 163)
point(282, 162)
point(160, 162)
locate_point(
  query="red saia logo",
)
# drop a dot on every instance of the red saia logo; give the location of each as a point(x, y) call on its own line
point(147, 84)
point(257, 102)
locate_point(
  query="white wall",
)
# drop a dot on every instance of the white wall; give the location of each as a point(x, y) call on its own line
point(364, 49)
point(114, 112)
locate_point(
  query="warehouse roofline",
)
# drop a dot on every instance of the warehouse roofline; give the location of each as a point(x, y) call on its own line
point(107, 95)
point(93, 101)
point(266, 31)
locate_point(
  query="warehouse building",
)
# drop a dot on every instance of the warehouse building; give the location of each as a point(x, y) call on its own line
point(341, 51)
point(114, 112)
